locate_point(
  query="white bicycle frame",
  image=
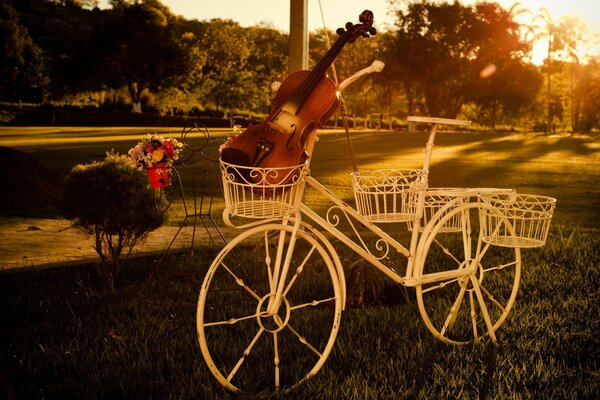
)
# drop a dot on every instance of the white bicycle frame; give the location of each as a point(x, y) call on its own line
point(414, 253)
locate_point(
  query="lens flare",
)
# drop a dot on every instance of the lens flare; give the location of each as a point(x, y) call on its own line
point(488, 71)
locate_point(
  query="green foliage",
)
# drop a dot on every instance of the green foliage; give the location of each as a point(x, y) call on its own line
point(56, 50)
point(111, 200)
point(22, 73)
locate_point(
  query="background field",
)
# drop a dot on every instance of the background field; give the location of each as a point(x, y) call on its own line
point(64, 337)
point(561, 166)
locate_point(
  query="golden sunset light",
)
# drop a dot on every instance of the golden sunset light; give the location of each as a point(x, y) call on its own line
point(309, 199)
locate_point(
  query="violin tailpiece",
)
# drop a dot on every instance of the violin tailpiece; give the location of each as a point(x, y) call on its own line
point(263, 148)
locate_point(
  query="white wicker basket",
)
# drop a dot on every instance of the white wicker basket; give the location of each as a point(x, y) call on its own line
point(436, 199)
point(517, 220)
point(261, 192)
point(388, 195)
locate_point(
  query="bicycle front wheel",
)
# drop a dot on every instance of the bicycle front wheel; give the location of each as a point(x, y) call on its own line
point(249, 340)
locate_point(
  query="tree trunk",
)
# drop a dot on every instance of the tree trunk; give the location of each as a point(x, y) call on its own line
point(494, 116)
point(135, 91)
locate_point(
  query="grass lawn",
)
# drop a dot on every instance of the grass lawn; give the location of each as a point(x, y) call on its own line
point(64, 337)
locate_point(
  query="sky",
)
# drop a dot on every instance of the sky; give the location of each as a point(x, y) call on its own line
point(337, 12)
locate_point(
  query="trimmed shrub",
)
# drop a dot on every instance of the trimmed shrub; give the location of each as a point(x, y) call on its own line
point(111, 200)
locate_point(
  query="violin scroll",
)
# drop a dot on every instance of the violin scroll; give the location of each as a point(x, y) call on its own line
point(364, 29)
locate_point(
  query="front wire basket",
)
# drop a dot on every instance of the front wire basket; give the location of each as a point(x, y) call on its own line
point(260, 193)
point(516, 220)
point(388, 195)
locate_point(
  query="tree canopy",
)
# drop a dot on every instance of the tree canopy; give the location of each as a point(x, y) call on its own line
point(442, 58)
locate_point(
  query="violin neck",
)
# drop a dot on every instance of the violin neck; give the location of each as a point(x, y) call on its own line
point(295, 102)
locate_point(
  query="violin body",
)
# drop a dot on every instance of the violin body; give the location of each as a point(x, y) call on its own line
point(280, 140)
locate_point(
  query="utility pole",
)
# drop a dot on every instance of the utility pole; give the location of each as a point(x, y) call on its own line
point(298, 56)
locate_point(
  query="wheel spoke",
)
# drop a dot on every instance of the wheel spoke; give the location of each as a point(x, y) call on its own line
point(245, 354)
point(298, 271)
point(500, 267)
point(449, 323)
point(303, 340)
point(473, 314)
point(232, 321)
point(483, 251)
point(483, 308)
point(439, 285)
point(240, 282)
point(447, 251)
point(276, 359)
point(492, 298)
point(268, 262)
point(312, 303)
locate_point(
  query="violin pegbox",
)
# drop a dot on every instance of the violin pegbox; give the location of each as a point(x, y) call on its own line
point(364, 29)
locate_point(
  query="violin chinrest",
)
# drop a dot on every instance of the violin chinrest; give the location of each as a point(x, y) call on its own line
point(235, 157)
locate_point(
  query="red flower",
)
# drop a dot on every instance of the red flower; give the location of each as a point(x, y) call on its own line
point(168, 149)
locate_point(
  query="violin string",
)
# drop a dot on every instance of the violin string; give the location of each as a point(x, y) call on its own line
point(318, 72)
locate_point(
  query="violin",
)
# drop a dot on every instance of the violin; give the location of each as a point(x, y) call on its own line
point(303, 103)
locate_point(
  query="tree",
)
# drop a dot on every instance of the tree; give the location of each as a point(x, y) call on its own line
point(588, 90)
point(501, 82)
point(434, 45)
point(564, 37)
point(227, 79)
point(268, 60)
point(62, 30)
point(138, 48)
point(22, 72)
point(441, 48)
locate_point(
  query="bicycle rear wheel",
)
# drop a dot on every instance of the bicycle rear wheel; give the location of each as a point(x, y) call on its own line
point(466, 308)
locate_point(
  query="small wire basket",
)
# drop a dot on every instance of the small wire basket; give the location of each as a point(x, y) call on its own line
point(388, 195)
point(437, 199)
point(261, 192)
point(517, 220)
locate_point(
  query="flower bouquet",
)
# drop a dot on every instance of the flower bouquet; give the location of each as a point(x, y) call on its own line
point(155, 154)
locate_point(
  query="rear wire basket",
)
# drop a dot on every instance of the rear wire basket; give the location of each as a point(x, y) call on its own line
point(388, 195)
point(435, 199)
point(445, 200)
point(261, 192)
point(517, 220)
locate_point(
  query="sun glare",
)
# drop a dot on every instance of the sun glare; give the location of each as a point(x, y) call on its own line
point(583, 12)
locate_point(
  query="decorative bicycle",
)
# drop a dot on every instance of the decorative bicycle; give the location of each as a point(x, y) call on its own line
point(270, 305)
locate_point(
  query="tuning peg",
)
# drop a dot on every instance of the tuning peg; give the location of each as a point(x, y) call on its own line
point(340, 31)
point(349, 25)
